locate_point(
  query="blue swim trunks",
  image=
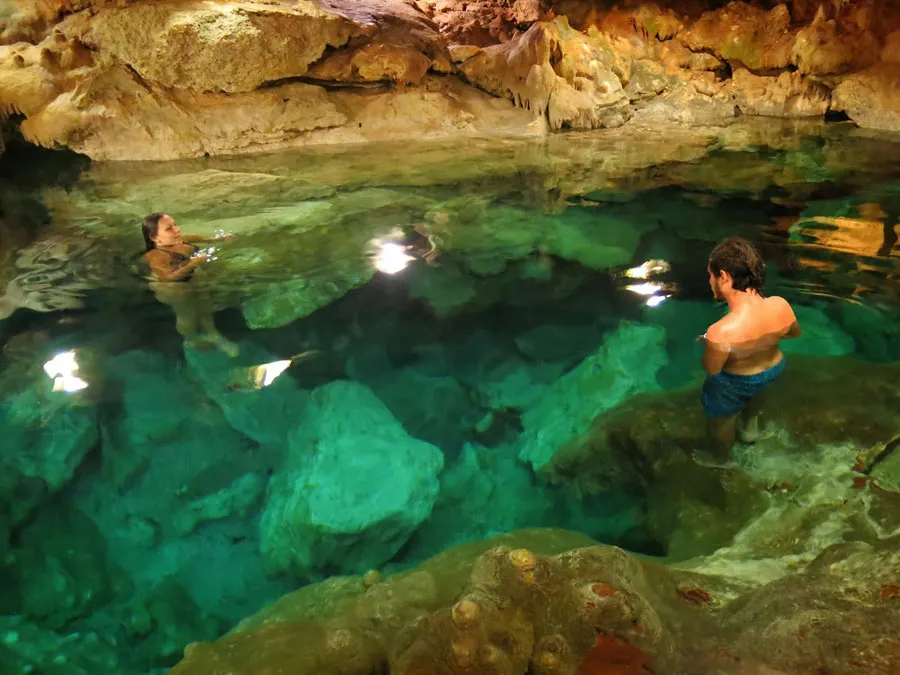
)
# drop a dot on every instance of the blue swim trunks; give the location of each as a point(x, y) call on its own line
point(725, 394)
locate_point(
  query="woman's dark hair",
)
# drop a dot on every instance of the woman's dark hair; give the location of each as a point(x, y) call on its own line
point(149, 228)
point(742, 261)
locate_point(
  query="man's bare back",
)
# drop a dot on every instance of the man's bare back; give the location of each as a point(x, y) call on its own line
point(750, 334)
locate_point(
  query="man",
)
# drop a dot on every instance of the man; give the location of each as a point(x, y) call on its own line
point(742, 355)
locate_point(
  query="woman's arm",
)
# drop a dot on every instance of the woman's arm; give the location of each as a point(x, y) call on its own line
point(199, 239)
point(161, 266)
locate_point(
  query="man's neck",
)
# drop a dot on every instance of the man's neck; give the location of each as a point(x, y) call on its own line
point(740, 299)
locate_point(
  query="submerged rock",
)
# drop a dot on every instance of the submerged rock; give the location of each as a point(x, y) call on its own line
point(625, 365)
point(352, 490)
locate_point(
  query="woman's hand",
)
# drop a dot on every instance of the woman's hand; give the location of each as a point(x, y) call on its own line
point(197, 260)
point(224, 237)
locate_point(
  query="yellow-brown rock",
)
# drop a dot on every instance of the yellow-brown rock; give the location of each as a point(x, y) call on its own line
point(204, 46)
point(185, 78)
point(483, 22)
point(827, 47)
point(787, 95)
point(745, 35)
point(554, 70)
point(871, 98)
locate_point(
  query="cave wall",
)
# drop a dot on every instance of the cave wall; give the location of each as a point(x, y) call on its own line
point(149, 80)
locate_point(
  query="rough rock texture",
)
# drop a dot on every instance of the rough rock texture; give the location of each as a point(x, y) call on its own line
point(589, 610)
point(145, 80)
point(353, 489)
point(625, 365)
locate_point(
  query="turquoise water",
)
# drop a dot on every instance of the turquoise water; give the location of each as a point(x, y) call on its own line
point(420, 328)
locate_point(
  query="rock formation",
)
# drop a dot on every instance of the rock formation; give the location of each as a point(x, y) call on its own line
point(145, 80)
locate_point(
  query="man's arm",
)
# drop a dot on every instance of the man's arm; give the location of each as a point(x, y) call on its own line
point(714, 356)
point(715, 351)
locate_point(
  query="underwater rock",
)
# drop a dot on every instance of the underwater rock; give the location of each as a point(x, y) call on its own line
point(626, 364)
point(26, 647)
point(254, 393)
point(352, 490)
point(487, 491)
point(433, 408)
point(235, 500)
point(874, 332)
point(46, 436)
point(55, 581)
point(821, 336)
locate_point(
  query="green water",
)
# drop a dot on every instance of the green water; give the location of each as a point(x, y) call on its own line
point(411, 314)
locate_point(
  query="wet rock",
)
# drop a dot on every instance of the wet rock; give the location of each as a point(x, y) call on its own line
point(26, 647)
point(627, 363)
point(355, 484)
point(256, 396)
point(821, 336)
point(57, 581)
point(46, 436)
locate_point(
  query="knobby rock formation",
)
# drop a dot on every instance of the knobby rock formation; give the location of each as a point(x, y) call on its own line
point(145, 80)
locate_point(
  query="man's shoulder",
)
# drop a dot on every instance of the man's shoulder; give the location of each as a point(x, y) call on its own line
point(779, 305)
point(720, 330)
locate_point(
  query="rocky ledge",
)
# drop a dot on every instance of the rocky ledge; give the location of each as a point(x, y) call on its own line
point(142, 80)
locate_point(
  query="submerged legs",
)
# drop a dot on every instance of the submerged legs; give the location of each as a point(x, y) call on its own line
point(194, 319)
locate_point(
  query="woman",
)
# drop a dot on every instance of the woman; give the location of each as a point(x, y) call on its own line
point(173, 258)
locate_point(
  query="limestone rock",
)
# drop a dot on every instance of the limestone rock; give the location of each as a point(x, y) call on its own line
point(871, 98)
point(827, 47)
point(56, 581)
point(236, 500)
point(201, 47)
point(46, 436)
point(744, 34)
point(482, 22)
point(553, 70)
point(352, 490)
point(821, 336)
point(788, 95)
point(587, 609)
point(28, 647)
point(625, 365)
point(255, 400)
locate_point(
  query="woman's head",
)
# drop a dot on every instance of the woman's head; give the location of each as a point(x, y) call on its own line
point(160, 229)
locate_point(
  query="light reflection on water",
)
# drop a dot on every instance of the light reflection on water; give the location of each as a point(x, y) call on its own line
point(459, 284)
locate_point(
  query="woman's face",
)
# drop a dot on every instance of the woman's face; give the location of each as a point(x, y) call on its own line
point(167, 232)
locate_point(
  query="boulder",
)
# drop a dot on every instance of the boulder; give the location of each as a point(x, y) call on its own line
point(352, 490)
point(626, 364)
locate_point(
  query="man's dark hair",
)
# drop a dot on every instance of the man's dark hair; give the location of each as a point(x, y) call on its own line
point(742, 261)
point(149, 228)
